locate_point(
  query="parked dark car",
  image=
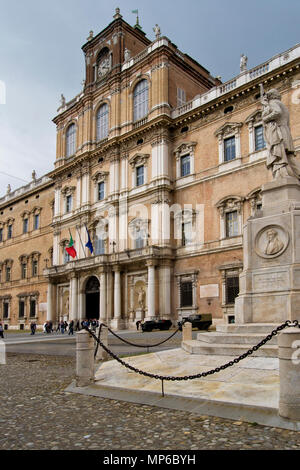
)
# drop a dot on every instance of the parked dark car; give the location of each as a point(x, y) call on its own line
point(202, 322)
point(156, 325)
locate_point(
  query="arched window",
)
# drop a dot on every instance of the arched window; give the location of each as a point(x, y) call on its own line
point(102, 122)
point(140, 100)
point(71, 140)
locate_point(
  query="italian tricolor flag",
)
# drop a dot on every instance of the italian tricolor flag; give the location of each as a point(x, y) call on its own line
point(70, 248)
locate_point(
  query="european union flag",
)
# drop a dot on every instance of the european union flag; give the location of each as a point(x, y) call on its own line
point(89, 244)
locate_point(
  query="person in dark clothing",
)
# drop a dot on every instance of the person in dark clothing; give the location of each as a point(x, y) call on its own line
point(33, 328)
point(1, 331)
point(71, 328)
point(138, 324)
point(77, 328)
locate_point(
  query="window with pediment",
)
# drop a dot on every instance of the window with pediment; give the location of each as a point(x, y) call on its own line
point(139, 165)
point(229, 142)
point(100, 185)
point(68, 192)
point(255, 200)
point(230, 210)
point(185, 227)
point(185, 158)
point(256, 132)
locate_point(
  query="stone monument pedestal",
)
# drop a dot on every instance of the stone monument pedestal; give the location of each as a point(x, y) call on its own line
point(270, 280)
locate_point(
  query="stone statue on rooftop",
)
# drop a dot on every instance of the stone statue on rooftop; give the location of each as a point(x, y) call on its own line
point(243, 63)
point(276, 123)
point(157, 32)
point(8, 189)
point(33, 175)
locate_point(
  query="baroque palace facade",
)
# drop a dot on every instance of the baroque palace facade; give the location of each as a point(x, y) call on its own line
point(161, 164)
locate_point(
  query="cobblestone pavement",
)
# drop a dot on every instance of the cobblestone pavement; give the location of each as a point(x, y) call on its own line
point(35, 413)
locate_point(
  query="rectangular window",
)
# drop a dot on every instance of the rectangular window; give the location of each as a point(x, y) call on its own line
point(21, 308)
point(36, 222)
point(232, 225)
point(140, 175)
point(259, 138)
point(186, 233)
point(181, 98)
point(1, 234)
point(5, 310)
point(100, 246)
point(185, 165)
point(232, 289)
point(32, 308)
point(139, 241)
point(229, 149)
point(25, 225)
point(9, 232)
point(186, 294)
point(23, 270)
point(100, 191)
point(34, 268)
point(68, 203)
point(7, 274)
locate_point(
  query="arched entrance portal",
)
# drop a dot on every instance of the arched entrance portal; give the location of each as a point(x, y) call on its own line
point(92, 296)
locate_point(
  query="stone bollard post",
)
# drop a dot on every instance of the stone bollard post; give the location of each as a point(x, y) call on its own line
point(101, 354)
point(187, 331)
point(2, 352)
point(84, 359)
point(289, 373)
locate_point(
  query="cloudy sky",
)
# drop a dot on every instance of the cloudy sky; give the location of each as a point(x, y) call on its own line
point(41, 57)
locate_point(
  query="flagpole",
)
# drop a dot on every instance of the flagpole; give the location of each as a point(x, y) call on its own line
point(81, 241)
point(71, 237)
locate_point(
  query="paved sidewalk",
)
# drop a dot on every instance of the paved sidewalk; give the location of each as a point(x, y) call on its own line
point(36, 413)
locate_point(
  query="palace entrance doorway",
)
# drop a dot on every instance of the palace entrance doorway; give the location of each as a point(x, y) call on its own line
point(92, 298)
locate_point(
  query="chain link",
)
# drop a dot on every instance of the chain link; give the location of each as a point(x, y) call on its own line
point(288, 323)
point(139, 345)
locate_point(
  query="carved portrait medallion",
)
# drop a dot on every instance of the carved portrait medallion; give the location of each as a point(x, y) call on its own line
point(271, 241)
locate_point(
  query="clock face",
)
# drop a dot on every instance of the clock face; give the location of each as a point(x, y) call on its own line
point(103, 67)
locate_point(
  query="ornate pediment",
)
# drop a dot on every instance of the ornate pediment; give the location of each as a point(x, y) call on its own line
point(68, 190)
point(254, 117)
point(100, 176)
point(185, 148)
point(230, 203)
point(138, 159)
point(228, 128)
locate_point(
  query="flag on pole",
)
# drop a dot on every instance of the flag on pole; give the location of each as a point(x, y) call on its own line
point(89, 244)
point(135, 11)
point(70, 248)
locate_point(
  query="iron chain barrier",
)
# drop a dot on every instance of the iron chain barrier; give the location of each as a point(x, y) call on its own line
point(139, 345)
point(163, 378)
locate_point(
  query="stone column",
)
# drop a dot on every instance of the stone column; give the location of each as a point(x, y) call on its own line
point(50, 302)
point(73, 314)
point(151, 297)
point(84, 359)
point(117, 321)
point(289, 373)
point(103, 313)
point(165, 290)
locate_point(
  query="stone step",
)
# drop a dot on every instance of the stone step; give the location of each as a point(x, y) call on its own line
point(233, 338)
point(199, 347)
point(258, 328)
